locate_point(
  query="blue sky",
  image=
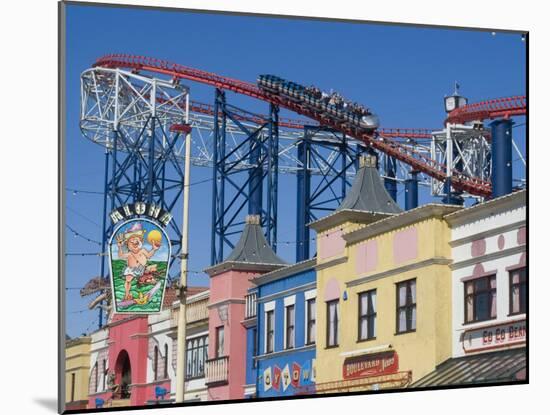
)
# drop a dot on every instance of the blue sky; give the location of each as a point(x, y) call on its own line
point(402, 73)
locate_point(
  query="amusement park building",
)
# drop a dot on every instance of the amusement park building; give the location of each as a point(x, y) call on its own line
point(383, 289)
point(230, 282)
point(281, 324)
point(489, 294)
point(77, 369)
point(133, 357)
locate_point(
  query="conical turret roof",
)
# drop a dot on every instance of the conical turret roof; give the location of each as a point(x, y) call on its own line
point(367, 192)
point(253, 247)
point(251, 252)
point(367, 201)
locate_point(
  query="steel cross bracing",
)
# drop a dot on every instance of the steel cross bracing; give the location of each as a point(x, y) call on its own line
point(417, 160)
point(132, 116)
point(202, 121)
point(329, 155)
point(463, 147)
point(240, 170)
point(468, 156)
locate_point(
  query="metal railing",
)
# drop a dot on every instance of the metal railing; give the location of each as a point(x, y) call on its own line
point(217, 370)
point(250, 307)
point(195, 311)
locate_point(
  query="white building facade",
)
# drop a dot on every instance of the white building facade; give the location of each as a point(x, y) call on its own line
point(489, 275)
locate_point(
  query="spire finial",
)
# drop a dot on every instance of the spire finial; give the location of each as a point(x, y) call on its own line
point(369, 160)
point(457, 87)
point(252, 219)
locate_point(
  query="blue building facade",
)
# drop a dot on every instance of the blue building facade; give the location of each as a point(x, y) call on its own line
point(281, 335)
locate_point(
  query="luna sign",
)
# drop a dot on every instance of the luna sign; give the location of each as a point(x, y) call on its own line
point(139, 258)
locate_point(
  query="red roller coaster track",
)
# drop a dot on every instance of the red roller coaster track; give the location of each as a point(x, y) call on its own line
point(487, 110)
point(384, 143)
point(413, 133)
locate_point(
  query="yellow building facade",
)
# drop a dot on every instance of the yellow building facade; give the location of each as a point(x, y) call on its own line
point(384, 297)
point(77, 370)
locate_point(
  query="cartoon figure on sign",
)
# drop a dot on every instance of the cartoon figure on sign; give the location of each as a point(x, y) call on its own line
point(139, 274)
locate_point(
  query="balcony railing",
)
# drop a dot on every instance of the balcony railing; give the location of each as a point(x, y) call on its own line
point(196, 311)
point(217, 370)
point(250, 306)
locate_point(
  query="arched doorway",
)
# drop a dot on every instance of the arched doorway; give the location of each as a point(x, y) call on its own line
point(123, 376)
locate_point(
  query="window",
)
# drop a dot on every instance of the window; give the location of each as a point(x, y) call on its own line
point(480, 299)
point(289, 318)
point(518, 291)
point(72, 386)
point(166, 361)
point(270, 331)
point(367, 315)
point(104, 373)
point(310, 325)
point(155, 363)
point(406, 306)
point(219, 341)
point(196, 355)
point(254, 342)
point(332, 323)
point(96, 374)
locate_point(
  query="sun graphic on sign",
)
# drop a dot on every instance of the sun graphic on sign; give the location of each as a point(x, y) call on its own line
point(154, 237)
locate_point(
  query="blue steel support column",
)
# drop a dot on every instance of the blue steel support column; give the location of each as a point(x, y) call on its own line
point(303, 179)
point(218, 179)
point(411, 191)
point(389, 181)
point(450, 198)
point(344, 162)
point(501, 153)
point(272, 177)
point(255, 183)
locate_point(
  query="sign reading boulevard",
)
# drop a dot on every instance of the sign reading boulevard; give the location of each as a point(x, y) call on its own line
point(372, 364)
point(494, 337)
point(139, 258)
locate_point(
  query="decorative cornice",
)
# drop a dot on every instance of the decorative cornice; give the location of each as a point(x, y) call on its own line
point(487, 233)
point(249, 322)
point(331, 263)
point(489, 257)
point(285, 351)
point(290, 291)
point(284, 272)
point(240, 266)
point(399, 270)
point(73, 368)
point(516, 199)
point(346, 215)
point(428, 211)
point(78, 341)
point(124, 320)
point(227, 301)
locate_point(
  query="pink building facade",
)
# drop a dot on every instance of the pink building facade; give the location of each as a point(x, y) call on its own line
point(229, 284)
point(138, 354)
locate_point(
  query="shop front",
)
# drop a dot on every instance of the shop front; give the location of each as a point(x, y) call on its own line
point(489, 285)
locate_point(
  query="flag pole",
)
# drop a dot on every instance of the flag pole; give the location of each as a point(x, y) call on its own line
point(182, 320)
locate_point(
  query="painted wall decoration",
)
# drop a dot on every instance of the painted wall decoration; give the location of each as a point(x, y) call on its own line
point(287, 378)
point(139, 257)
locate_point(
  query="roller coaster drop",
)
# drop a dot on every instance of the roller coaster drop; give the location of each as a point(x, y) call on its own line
point(134, 106)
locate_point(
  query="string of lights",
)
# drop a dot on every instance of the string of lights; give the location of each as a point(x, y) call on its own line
point(77, 191)
point(77, 234)
point(70, 209)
